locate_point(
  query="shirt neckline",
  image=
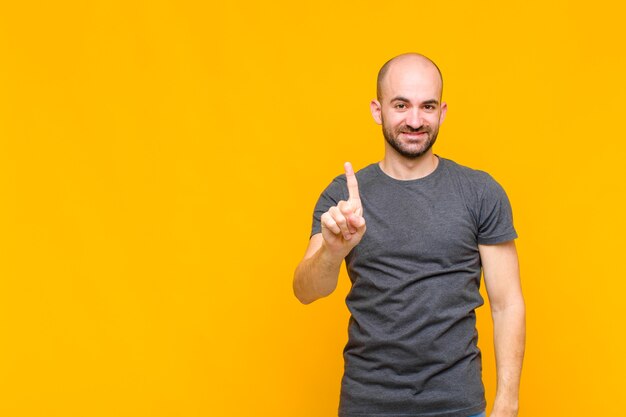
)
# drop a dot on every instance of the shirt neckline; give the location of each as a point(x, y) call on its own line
point(436, 173)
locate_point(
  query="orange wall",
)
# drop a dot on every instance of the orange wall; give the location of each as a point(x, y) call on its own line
point(159, 163)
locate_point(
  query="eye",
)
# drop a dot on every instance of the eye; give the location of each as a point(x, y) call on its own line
point(429, 107)
point(400, 106)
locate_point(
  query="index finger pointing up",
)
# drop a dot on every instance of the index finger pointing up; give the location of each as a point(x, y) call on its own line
point(353, 186)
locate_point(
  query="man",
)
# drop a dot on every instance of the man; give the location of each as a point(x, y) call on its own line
point(415, 230)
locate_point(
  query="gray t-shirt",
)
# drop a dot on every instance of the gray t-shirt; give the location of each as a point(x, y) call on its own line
point(415, 277)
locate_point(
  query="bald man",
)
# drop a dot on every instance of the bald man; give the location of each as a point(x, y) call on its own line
point(415, 231)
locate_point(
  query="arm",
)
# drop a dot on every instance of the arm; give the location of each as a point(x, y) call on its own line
point(317, 274)
point(502, 280)
point(342, 229)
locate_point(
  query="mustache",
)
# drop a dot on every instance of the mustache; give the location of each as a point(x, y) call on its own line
point(408, 129)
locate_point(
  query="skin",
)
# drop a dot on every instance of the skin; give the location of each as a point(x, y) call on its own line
point(410, 111)
point(343, 226)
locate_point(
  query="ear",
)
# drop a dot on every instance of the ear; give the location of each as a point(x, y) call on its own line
point(444, 109)
point(376, 109)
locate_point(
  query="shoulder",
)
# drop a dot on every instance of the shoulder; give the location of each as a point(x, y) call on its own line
point(334, 190)
point(470, 178)
point(467, 173)
point(368, 175)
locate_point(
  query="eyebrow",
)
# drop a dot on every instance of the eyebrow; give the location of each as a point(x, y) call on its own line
point(400, 98)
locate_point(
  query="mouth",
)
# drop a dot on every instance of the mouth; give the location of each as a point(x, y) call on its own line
point(414, 135)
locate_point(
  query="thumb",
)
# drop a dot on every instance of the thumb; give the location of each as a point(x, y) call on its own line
point(356, 221)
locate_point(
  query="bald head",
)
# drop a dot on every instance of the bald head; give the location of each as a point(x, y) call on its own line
point(407, 62)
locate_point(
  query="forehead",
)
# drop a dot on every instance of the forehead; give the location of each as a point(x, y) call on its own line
point(412, 80)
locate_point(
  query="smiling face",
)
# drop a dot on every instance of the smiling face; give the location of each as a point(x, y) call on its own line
point(409, 106)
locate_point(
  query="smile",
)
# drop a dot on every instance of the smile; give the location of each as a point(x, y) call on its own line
point(413, 134)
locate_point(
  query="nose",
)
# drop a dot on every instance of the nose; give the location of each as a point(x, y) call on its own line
point(414, 118)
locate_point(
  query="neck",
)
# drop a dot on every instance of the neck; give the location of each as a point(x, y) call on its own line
point(402, 168)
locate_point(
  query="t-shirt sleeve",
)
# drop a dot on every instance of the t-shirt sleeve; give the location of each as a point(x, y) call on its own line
point(495, 223)
point(331, 196)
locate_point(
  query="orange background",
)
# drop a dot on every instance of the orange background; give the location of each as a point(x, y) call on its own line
point(159, 164)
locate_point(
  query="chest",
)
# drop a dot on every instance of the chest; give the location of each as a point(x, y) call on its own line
point(408, 227)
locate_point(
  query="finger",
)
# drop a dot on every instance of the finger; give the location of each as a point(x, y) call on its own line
point(361, 226)
point(329, 223)
point(341, 221)
point(353, 186)
point(347, 209)
point(356, 222)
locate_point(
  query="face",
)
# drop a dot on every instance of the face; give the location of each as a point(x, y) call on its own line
point(410, 110)
point(410, 139)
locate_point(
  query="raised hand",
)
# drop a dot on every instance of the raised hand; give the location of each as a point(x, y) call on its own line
point(343, 225)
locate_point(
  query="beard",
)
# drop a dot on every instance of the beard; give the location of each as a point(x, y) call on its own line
point(409, 151)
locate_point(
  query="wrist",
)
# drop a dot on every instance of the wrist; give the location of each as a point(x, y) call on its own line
point(331, 256)
point(508, 407)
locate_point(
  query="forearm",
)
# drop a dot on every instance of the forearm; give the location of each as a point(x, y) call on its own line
point(509, 327)
point(317, 276)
